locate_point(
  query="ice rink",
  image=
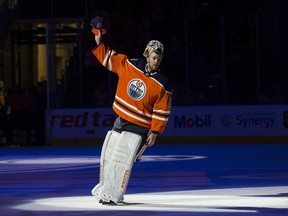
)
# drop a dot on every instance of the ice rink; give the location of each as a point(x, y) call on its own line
point(180, 179)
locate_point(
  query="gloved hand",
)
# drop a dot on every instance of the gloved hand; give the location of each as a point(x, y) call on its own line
point(98, 25)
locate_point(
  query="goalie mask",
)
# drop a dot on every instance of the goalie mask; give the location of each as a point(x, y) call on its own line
point(152, 46)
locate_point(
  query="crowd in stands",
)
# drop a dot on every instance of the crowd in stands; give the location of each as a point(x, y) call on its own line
point(22, 115)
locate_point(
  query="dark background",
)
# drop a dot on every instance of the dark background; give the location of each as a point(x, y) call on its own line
point(216, 51)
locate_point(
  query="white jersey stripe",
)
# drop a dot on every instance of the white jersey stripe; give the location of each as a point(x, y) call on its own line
point(131, 115)
point(161, 111)
point(132, 107)
point(159, 118)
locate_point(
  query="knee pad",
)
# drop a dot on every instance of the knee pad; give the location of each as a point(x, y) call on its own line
point(118, 159)
point(106, 151)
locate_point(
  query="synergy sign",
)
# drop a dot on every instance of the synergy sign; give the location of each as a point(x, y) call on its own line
point(267, 120)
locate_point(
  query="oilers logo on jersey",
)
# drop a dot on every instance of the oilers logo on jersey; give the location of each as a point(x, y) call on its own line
point(136, 89)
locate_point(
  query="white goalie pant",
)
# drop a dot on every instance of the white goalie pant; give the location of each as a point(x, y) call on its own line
point(117, 158)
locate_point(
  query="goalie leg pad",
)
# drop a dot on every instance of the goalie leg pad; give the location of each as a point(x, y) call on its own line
point(106, 152)
point(117, 167)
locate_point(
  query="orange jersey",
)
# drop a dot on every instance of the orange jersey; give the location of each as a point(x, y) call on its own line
point(140, 99)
